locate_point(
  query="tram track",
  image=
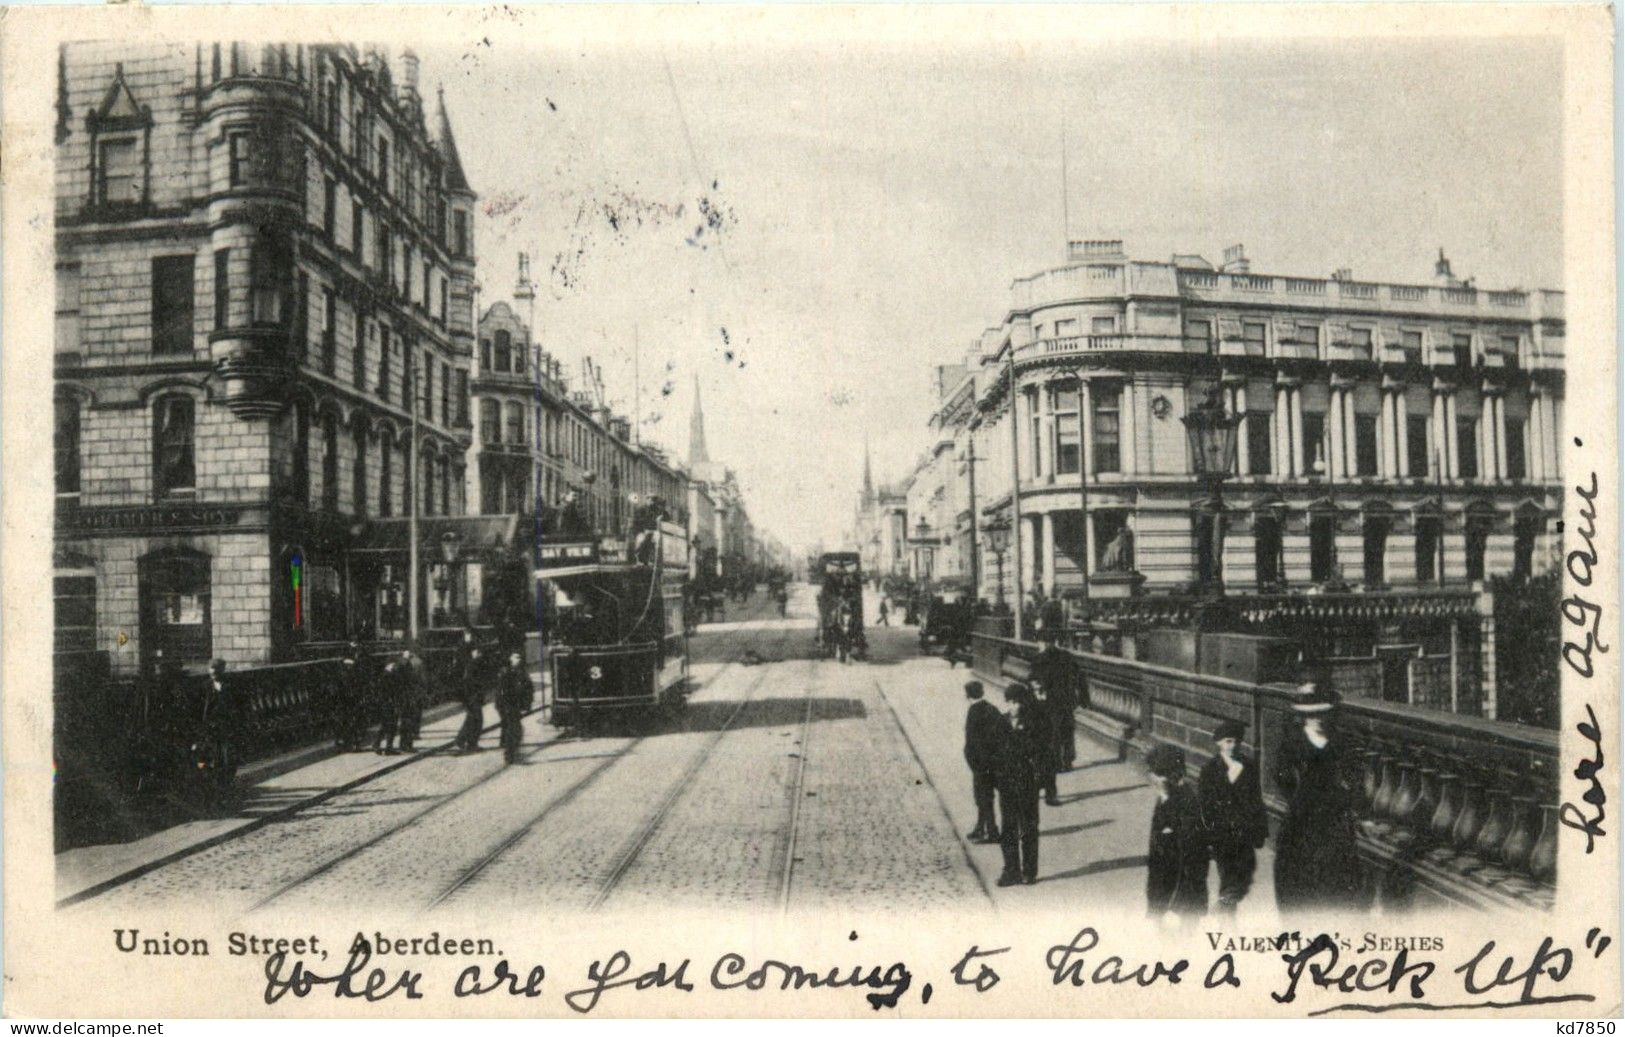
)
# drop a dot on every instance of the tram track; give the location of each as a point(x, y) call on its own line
point(742, 635)
point(655, 822)
point(797, 795)
point(519, 834)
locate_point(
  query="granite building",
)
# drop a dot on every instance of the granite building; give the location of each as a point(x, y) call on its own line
point(539, 437)
point(264, 280)
point(1396, 446)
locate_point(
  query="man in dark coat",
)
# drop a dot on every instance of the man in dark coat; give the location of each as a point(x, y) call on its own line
point(224, 727)
point(471, 672)
point(1233, 816)
point(350, 704)
point(413, 697)
point(985, 732)
point(1316, 867)
point(1176, 860)
point(1056, 678)
point(386, 704)
point(1023, 767)
point(515, 694)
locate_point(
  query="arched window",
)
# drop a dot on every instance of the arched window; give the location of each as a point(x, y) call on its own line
point(358, 473)
point(67, 446)
point(174, 472)
point(408, 477)
point(503, 359)
point(428, 484)
point(174, 598)
point(330, 462)
point(386, 469)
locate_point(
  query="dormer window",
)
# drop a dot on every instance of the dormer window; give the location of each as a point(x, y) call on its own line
point(120, 135)
point(120, 168)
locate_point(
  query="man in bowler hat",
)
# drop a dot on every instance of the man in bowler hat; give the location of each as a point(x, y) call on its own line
point(1232, 807)
point(1176, 860)
point(515, 693)
point(985, 732)
point(1024, 767)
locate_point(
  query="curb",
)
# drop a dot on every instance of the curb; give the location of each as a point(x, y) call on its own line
point(254, 824)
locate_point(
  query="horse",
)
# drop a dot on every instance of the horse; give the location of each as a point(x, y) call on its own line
point(838, 633)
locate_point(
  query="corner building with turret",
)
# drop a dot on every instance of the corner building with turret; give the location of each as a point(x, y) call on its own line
point(264, 286)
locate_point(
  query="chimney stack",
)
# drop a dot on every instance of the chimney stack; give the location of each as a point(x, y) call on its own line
point(1235, 260)
point(408, 89)
point(525, 292)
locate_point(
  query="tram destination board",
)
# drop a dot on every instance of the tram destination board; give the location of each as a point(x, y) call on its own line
point(583, 552)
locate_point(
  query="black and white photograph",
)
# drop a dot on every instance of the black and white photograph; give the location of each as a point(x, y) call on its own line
point(592, 474)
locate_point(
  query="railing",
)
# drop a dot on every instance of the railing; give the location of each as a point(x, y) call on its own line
point(1104, 344)
point(1303, 286)
point(1453, 809)
point(1209, 282)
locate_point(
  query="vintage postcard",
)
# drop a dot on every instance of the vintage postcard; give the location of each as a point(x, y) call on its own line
point(924, 511)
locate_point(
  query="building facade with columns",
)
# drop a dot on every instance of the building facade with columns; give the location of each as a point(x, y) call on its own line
point(1397, 445)
point(264, 272)
point(1389, 435)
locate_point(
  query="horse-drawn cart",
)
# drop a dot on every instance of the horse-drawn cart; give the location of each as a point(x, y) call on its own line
point(840, 606)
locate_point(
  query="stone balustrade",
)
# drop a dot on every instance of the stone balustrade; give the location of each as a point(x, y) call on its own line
point(1454, 810)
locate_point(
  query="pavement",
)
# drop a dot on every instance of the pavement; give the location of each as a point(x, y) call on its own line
point(791, 782)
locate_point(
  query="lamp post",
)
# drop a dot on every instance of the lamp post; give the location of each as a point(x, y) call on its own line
point(998, 541)
point(451, 547)
point(1212, 435)
point(921, 552)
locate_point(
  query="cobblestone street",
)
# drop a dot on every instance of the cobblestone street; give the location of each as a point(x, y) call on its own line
point(790, 782)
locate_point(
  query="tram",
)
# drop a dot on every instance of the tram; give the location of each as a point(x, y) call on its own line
point(612, 615)
point(840, 606)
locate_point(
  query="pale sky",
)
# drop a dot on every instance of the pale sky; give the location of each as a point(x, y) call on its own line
point(866, 208)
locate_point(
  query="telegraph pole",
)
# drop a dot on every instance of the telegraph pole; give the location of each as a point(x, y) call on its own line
point(1015, 487)
point(413, 491)
point(1083, 496)
point(975, 544)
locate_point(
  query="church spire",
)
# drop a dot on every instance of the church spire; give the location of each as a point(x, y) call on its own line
point(456, 180)
point(696, 432)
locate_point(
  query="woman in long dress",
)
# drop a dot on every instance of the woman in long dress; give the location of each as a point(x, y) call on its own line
point(1316, 864)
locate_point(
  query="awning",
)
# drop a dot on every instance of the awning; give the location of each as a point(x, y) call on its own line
point(478, 536)
point(563, 571)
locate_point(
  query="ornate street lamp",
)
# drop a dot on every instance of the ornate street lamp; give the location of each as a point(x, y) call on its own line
point(998, 541)
point(1212, 435)
point(451, 547)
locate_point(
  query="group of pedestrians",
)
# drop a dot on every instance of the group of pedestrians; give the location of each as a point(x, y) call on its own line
point(1223, 820)
point(379, 707)
point(387, 703)
point(1015, 755)
point(1218, 821)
